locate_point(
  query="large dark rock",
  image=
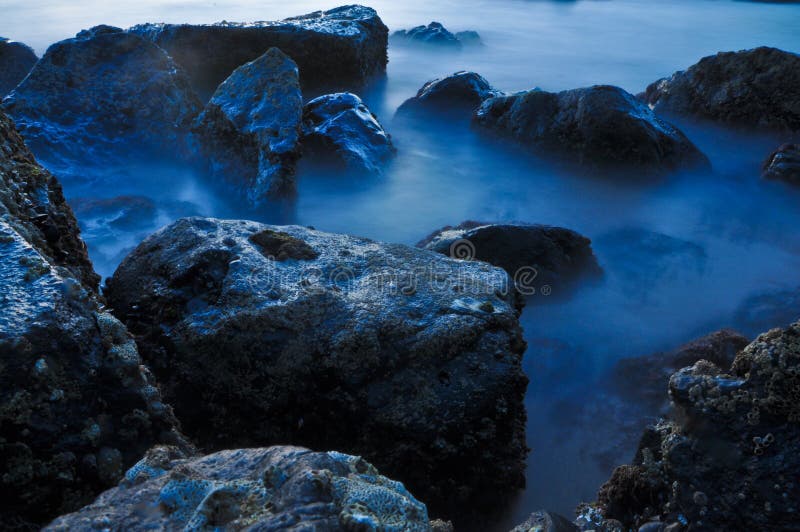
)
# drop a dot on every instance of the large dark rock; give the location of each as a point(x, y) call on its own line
point(596, 128)
point(783, 164)
point(434, 34)
point(339, 127)
point(539, 258)
point(730, 460)
point(339, 49)
point(250, 130)
point(276, 488)
point(460, 93)
point(263, 334)
point(76, 405)
point(758, 88)
point(16, 60)
point(545, 522)
point(100, 94)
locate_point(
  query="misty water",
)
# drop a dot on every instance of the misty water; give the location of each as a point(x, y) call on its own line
point(683, 256)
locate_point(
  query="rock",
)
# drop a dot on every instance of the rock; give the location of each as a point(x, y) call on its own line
point(250, 129)
point(546, 522)
point(459, 94)
point(539, 258)
point(102, 94)
point(469, 38)
point(265, 334)
point(758, 88)
point(729, 460)
point(340, 127)
point(16, 60)
point(596, 128)
point(434, 34)
point(76, 405)
point(767, 309)
point(783, 164)
point(276, 488)
point(338, 49)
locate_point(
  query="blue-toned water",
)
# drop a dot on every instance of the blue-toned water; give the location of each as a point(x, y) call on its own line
point(682, 256)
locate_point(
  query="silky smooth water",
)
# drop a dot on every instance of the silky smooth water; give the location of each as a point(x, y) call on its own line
point(682, 256)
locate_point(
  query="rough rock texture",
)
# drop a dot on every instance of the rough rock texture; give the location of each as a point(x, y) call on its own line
point(783, 164)
point(32, 202)
point(752, 88)
point(339, 49)
point(600, 127)
point(263, 334)
point(537, 257)
point(276, 488)
point(101, 93)
point(250, 130)
point(434, 33)
point(16, 60)
point(730, 460)
point(545, 522)
point(340, 127)
point(461, 93)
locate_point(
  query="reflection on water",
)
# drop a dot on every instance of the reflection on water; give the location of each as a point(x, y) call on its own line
point(682, 255)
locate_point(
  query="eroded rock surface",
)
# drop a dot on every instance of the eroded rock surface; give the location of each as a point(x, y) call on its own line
point(263, 334)
point(783, 164)
point(16, 60)
point(460, 93)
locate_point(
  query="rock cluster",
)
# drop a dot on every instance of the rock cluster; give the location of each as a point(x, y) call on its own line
point(16, 60)
point(437, 35)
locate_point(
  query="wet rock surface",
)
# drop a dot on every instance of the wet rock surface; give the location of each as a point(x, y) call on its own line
point(545, 522)
point(276, 488)
point(102, 94)
point(250, 130)
point(751, 88)
point(537, 257)
point(263, 334)
point(16, 60)
point(595, 128)
point(339, 128)
point(783, 164)
point(461, 93)
point(338, 49)
point(433, 34)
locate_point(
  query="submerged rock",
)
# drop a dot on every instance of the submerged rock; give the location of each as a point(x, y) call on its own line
point(752, 88)
point(250, 130)
point(338, 49)
point(768, 308)
point(264, 334)
point(461, 93)
point(596, 128)
point(540, 258)
point(100, 94)
point(340, 127)
point(469, 38)
point(729, 460)
point(546, 522)
point(276, 488)
point(434, 33)
point(16, 60)
point(783, 164)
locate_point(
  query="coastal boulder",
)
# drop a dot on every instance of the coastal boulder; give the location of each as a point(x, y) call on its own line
point(16, 60)
point(595, 128)
point(341, 128)
point(758, 88)
point(263, 334)
point(250, 130)
point(783, 164)
point(434, 34)
point(102, 94)
point(275, 488)
point(460, 93)
point(338, 49)
point(537, 257)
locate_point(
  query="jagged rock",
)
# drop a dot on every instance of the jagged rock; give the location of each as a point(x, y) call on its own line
point(537, 257)
point(434, 33)
point(263, 334)
point(469, 38)
point(729, 461)
point(783, 164)
point(276, 488)
point(545, 522)
point(752, 88)
point(461, 93)
point(16, 60)
point(340, 127)
point(76, 406)
point(597, 128)
point(339, 49)
point(250, 129)
point(102, 94)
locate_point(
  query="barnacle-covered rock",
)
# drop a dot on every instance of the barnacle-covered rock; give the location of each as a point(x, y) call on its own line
point(250, 130)
point(338, 49)
point(783, 164)
point(262, 334)
point(276, 488)
point(16, 60)
point(460, 93)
